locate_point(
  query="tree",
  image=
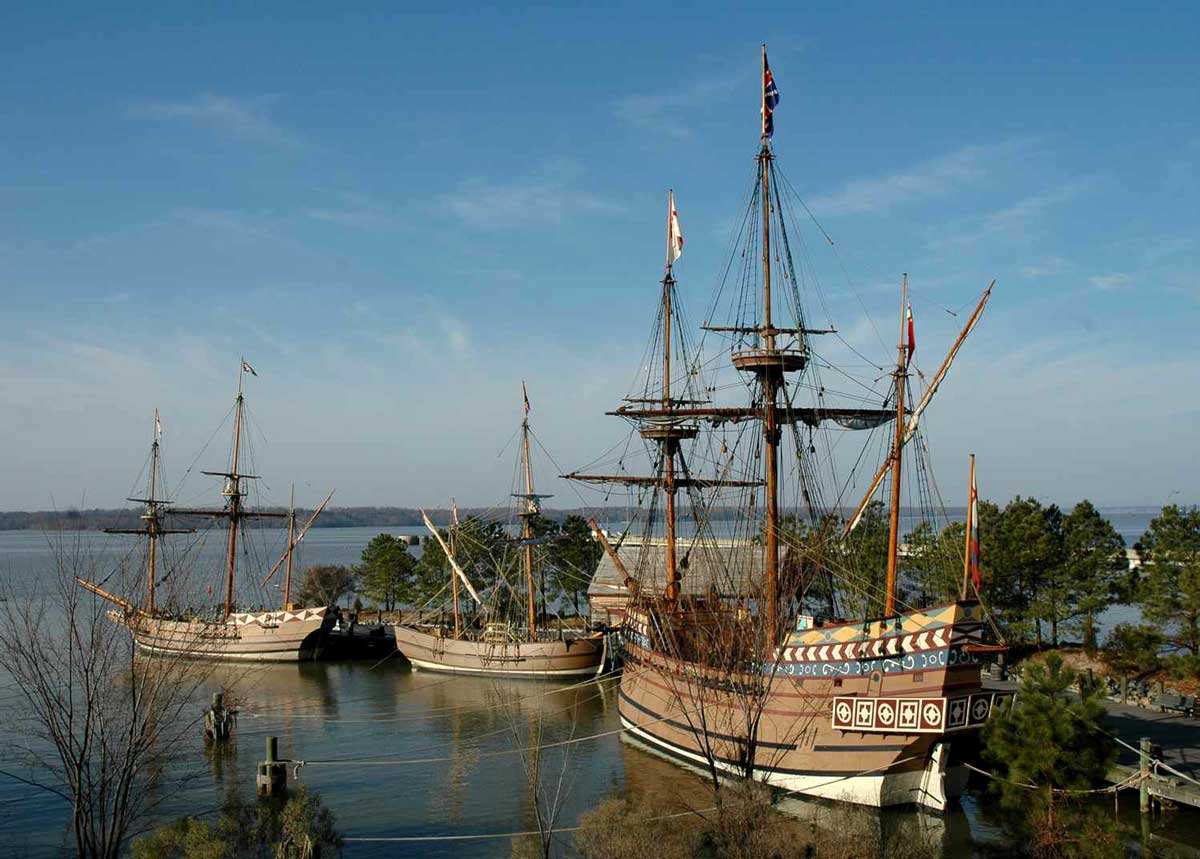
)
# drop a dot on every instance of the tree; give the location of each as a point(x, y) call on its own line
point(1133, 650)
point(98, 724)
point(325, 584)
point(1095, 566)
point(1170, 593)
point(1045, 741)
point(483, 550)
point(387, 573)
point(862, 567)
point(574, 556)
point(298, 827)
point(1021, 554)
point(933, 569)
point(1048, 736)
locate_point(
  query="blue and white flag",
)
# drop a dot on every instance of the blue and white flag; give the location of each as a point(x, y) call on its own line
point(770, 99)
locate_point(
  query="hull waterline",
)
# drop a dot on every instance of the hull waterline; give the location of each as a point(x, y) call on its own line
point(813, 734)
point(272, 636)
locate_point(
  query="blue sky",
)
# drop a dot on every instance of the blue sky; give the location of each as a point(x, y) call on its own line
point(398, 215)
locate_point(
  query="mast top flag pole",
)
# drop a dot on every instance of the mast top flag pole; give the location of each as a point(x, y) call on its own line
point(674, 234)
point(770, 98)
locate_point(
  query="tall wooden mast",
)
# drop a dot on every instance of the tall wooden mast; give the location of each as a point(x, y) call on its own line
point(770, 364)
point(233, 494)
point(152, 517)
point(669, 441)
point(897, 455)
point(769, 389)
point(527, 516)
point(233, 509)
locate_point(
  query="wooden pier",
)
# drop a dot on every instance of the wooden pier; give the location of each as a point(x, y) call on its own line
point(1174, 741)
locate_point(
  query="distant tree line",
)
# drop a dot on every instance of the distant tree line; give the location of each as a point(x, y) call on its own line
point(94, 519)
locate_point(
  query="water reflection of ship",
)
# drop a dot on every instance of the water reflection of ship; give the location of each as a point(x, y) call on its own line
point(651, 776)
point(470, 716)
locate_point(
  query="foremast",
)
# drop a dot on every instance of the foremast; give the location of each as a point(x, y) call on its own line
point(152, 518)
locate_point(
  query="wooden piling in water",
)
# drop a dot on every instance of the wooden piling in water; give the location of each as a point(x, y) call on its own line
point(272, 772)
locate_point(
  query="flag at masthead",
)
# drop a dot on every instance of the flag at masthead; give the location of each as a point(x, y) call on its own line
point(674, 234)
point(770, 98)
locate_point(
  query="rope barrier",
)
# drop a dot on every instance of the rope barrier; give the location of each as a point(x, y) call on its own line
point(1132, 780)
point(528, 832)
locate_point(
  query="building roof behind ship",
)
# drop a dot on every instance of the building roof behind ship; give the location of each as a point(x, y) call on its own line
point(722, 564)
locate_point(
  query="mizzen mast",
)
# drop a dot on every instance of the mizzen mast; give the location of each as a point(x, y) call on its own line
point(532, 509)
point(454, 597)
point(901, 375)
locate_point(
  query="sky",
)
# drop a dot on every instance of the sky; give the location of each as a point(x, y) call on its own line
point(397, 213)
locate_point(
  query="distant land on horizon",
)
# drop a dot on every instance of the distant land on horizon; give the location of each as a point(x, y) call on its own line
point(94, 519)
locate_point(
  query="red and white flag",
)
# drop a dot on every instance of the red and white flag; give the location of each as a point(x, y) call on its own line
point(525, 394)
point(973, 537)
point(674, 234)
point(912, 334)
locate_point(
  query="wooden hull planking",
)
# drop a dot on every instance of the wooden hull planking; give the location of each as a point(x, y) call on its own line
point(809, 740)
point(271, 636)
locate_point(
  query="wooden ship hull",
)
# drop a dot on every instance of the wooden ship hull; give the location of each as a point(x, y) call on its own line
point(430, 649)
point(865, 716)
point(269, 636)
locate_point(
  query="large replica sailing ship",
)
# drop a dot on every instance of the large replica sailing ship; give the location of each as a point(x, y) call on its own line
point(740, 674)
point(491, 643)
point(287, 635)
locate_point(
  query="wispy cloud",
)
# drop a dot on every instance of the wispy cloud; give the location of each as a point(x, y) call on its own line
point(240, 118)
point(1047, 267)
point(933, 178)
point(1015, 220)
point(356, 210)
point(545, 199)
point(666, 112)
point(1109, 282)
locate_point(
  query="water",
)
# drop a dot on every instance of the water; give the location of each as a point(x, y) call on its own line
point(444, 748)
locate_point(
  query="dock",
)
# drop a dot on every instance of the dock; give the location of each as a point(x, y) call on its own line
point(1176, 742)
point(1174, 738)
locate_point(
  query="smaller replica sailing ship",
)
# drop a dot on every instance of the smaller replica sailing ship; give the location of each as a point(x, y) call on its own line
point(490, 642)
point(287, 635)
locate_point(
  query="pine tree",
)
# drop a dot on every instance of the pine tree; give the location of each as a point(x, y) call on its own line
point(387, 571)
point(1095, 566)
point(1049, 739)
point(1170, 593)
point(573, 559)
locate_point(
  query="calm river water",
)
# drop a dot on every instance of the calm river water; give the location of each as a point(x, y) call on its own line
point(397, 754)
